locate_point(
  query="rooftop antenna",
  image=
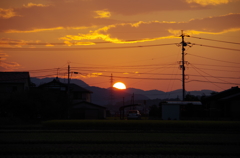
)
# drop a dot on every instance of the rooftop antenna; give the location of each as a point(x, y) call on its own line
point(57, 72)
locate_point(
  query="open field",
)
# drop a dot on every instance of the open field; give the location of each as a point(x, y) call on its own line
point(114, 143)
point(145, 125)
point(122, 143)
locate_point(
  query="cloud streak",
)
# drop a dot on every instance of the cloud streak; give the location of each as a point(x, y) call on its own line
point(155, 30)
point(87, 13)
point(6, 65)
point(7, 13)
point(208, 2)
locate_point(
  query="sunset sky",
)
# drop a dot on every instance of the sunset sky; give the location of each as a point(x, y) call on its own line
point(137, 41)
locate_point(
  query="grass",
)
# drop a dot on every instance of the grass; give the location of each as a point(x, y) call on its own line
point(124, 137)
point(119, 137)
point(119, 143)
point(140, 125)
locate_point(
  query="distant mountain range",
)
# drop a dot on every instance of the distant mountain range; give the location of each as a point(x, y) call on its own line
point(103, 96)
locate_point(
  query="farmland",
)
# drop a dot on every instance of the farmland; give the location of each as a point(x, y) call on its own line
point(176, 139)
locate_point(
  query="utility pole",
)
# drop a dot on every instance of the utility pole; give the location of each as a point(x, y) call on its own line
point(68, 92)
point(111, 90)
point(68, 85)
point(183, 44)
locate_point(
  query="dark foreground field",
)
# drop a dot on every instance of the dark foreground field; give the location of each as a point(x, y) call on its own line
point(172, 141)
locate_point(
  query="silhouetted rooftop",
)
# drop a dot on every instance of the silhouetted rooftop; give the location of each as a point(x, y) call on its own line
point(14, 77)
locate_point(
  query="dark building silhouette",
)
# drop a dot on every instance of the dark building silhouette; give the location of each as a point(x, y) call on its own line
point(79, 100)
point(13, 82)
point(225, 104)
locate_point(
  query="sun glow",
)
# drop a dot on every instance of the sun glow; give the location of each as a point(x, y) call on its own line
point(119, 85)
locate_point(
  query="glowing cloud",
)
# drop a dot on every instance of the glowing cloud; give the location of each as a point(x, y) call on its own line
point(86, 75)
point(35, 30)
point(3, 56)
point(7, 42)
point(208, 2)
point(96, 74)
point(195, 32)
point(34, 5)
point(48, 29)
point(6, 65)
point(10, 66)
point(49, 45)
point(210, 25)
point(7, 13)
point(135, 72)
point(103, 34)
point(103, 14)
point(90, 36)
point(78, 43)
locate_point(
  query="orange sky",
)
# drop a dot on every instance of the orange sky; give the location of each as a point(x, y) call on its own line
point(135, 40)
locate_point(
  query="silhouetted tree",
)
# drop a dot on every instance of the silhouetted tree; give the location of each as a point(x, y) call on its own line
point(190, 97)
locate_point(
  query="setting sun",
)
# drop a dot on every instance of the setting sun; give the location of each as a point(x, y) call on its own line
point(119, 85)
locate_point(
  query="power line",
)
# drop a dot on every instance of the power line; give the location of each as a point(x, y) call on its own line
point(206, 78)
point(132, 61)
point(172, 82)
point(160, 74)
point(216, 47)
point(219, 70)
point(77, 49)
point(127, 66)
point(214, 76)
point(214, 59)
point(215, 40)
point(213, 82)
point(141, 78)
point(207, 73)
point(218, 65)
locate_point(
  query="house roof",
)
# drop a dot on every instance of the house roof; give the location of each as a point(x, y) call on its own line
point(130, 105)
point(14, 77)
point(78, 104)
point(237, 95)
point(53, 82)
point(224, 94)
point(77, 88)
point(182, 102)
point(73, 87)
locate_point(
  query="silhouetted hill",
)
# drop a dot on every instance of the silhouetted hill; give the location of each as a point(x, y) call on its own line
point(151, 94)
point(103, 96)
point(39, 81)
point(156, 94)
point(99, 96)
